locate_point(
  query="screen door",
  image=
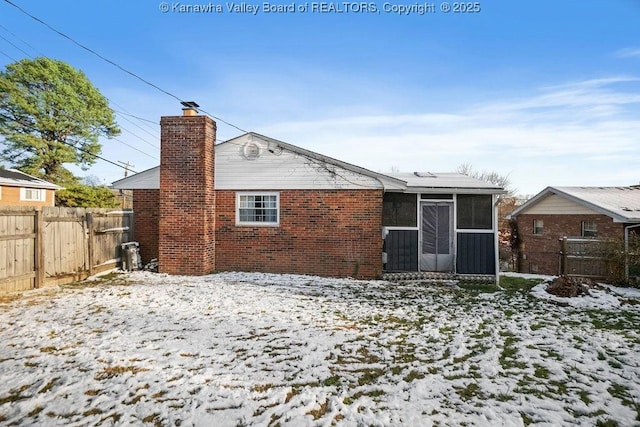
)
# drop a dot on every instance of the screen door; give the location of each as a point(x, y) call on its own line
point(437, 236)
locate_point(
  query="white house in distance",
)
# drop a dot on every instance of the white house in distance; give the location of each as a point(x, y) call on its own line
point(21, 189)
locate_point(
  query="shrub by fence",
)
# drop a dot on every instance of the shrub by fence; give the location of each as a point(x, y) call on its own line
point(52, 245)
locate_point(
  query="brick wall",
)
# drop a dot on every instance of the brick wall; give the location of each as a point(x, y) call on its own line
point(541, 253)
point(187, 196)
point(146, 207)
point(321, 232)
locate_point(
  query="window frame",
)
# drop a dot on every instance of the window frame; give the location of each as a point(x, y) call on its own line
point(42, 195)
point(594, 230)
point(240, 223)
point(538, 231)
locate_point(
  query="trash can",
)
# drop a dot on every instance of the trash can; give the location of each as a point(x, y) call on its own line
point(131, 256)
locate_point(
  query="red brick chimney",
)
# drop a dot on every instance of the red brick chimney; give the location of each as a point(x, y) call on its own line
point(187, 196)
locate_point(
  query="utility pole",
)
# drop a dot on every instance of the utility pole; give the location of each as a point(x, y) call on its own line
point(127, 165)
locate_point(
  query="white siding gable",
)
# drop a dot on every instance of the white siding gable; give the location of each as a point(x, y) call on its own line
point(557, 205)
point(149, 179)
point(249, 163)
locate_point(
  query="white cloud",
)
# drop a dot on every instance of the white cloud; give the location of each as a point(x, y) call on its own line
point(629, 52)
point(581, 133)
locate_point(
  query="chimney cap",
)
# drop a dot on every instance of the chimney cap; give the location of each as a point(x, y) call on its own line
point(189, 104)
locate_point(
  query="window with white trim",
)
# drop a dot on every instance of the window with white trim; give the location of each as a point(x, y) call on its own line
point(32, 194)
point(589, 229)
point(538, 226)
point(258, 209)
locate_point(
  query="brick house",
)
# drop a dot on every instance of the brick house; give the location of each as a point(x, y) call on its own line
point(558, 212)
point(254, 203)
point(21, 189)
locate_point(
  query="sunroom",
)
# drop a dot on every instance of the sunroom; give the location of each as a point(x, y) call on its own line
point(441, 225)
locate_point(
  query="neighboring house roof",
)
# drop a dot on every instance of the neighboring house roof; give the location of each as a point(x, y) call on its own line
point(15, 178)
point(414, 182)
point(620, 203)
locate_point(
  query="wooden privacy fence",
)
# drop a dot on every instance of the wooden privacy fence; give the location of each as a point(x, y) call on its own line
point(584, 257)
point(51, 245)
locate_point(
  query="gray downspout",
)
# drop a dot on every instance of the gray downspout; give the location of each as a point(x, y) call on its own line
point(626, 250)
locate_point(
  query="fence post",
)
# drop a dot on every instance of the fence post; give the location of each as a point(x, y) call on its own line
point(38, 225)
point(563, 253)
point(89, 220)
point(132, 229)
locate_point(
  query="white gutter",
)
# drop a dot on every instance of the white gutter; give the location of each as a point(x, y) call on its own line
point(626, 250)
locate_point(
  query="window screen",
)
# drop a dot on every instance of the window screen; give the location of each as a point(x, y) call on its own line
point(475, 212)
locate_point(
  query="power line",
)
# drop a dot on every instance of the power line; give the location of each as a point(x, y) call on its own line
point(14, 45)
point(139, 127)
point(131, 73)
point(1, 52)
point(134, 148)
point(27, 44)
point(88, 49)
point(136, 117)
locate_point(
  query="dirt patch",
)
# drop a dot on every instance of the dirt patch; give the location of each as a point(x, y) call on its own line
point(569, 287)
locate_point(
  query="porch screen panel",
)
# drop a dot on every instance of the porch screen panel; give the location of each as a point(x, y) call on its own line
point(429, 229)
point(399, 210)
point(401, 247)
point(475, 211)
point(443, 230)
point(476, 253)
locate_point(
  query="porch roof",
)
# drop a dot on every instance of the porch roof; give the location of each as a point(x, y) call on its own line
point(445, 182)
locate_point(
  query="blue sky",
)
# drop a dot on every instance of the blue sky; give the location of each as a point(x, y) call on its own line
point(546, 92)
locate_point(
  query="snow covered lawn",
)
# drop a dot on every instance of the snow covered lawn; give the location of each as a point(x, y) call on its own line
point(240, 349)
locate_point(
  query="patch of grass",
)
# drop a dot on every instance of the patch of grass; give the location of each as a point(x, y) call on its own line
point(584, 396)
point(480, 287)
point(502, 397)
point(153, 418)
point(469, 392)
point(446, 353)
point(536, 326)
point(372, 393)
point(261, 388)
point(413, 375)
point(159, 394)
point(320, 412)
point(462, 358)
point(518, 283)
point(331, 381)
point(507, 358)
point(15, 395)
point(113, 371)
point(92, 411)
point(369, 376)
point(35, 411)
point(540, 371)
point(607, 423)
point(526, 419)
point(615, 364)
point(48, 386)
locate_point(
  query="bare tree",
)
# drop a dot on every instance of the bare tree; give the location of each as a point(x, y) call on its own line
point(488, 176)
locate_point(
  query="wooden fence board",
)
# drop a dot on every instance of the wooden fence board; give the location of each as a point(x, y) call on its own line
point(55, 245)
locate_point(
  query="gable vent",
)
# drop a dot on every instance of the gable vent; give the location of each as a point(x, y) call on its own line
point(251, 150)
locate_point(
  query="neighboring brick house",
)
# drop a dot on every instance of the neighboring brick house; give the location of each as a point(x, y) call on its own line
point(557, 212)
point(257, 204)
point(21, 189)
